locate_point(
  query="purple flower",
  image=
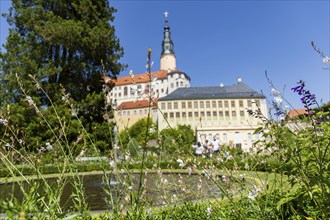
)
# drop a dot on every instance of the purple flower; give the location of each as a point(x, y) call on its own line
point(307, 98)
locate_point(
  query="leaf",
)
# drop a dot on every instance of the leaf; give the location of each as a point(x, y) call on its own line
point(258, 130)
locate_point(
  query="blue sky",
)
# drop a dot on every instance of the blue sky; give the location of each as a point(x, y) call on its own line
point(217, 41)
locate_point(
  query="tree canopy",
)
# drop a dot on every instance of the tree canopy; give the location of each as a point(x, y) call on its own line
point(55, 44)
point(65, 42)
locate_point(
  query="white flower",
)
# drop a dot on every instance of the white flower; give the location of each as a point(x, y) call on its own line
point(3, 121)
point(275, 92)
point(189, 170)
point(112, 163)
point(246, 166)
point(326, 60)
point(49, 146)
point(278, 99)
point(164, 181)
point(181, 164)
point(208, 211)
point(242, 176)
point(30, 101)
point(252, 195)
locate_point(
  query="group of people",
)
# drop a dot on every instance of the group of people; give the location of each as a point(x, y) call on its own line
point(207, 148)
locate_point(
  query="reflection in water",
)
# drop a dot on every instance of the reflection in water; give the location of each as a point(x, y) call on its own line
point(159, 189)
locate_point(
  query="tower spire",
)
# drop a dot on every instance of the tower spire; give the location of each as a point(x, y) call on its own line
point(167, 56)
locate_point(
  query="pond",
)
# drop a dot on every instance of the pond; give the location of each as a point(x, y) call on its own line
point(160, 188)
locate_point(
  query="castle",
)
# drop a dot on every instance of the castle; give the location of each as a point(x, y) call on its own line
point(216, 111)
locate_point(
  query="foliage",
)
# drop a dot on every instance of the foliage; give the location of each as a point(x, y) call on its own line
point(51, 45)
point(136, 134)
point(181, 137)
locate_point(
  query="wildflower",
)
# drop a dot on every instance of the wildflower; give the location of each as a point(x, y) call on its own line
point(181, 164)
point(307, 98)
point(252, 195)
point(30, 101)
point(246, 166)
point(189, 170)
point(3, 121)
point(242, 176)
point(278, 99)
point(49, 147)
point(112, 164)
point(208, 211)
point(326, 60)
point(163, 180)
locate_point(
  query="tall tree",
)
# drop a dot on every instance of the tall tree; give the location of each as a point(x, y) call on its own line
point(60, 42)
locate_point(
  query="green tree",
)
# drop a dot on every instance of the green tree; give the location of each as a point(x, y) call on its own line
point(138, 132)
point(60, 42)
point(179, 138)
point(68, 43)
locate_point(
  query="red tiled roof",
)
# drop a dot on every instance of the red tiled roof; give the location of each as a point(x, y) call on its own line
point(136, 104)
point(295, 112)
point(140, 78)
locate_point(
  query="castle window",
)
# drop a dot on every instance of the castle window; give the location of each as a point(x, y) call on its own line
point(163, 106)
point(214, 113)
point(221, 114)
point(171, 115)
point(220, 104)
point(134, 112)
point(258, 103)
point(189, 114)
point(177, 114)
point(184, 114)
point(232, 103)
point(249, 103)
point(189, 104)
point(169, 105)
point(195, 104)
point(183, 105)
point(175, 105)
point(241, 113)
point(233, 113)
point(196, 114)
point(227, 113)
point(165, 115)
point(201, 104)
point(208, 114)
point(241, 103)
point(202, 114)
point(214, 104)
point(140, 112)
point(125, 91)
point(207, 104)
point(226, 104)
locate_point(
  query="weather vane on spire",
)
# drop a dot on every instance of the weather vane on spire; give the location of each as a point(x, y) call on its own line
point(166, 16)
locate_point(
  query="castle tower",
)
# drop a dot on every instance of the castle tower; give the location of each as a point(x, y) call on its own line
point(167, 58)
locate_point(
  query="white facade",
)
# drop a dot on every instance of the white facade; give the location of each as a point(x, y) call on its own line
point(162, 84)
point(224, 118)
